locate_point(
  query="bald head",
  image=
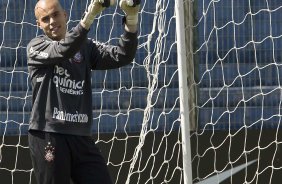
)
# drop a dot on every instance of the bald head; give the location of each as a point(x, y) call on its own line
point(51, 18)
point(44, 5)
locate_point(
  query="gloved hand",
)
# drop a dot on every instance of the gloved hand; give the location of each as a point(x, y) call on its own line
point(94, 8)
point(131, 9)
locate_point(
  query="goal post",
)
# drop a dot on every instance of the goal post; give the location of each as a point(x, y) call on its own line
point(184, 95)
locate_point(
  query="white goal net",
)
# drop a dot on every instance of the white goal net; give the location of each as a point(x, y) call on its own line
point(233, 56)
point(237, 63)
point(135, 108)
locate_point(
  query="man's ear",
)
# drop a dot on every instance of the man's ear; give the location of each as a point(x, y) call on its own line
point(38, 24)
point(66, 15)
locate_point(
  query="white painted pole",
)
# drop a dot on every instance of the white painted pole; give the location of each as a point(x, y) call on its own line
point(183, 92)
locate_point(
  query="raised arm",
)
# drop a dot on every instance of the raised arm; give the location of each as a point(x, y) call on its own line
point(110, 57)
point(105, 57)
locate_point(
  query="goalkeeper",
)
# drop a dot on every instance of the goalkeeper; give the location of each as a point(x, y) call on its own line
point(60, 64)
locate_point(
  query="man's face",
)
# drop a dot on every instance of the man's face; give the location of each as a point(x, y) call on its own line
point(51, 18)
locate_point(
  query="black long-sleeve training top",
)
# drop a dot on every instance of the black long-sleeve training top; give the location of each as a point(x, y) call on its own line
point(60, 73)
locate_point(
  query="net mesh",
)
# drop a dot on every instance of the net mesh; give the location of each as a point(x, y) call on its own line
point(237, 51)
point(234, 55)
point(135, 108)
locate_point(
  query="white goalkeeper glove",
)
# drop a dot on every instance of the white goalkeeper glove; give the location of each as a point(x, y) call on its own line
point(131, 11)
point(94, 8)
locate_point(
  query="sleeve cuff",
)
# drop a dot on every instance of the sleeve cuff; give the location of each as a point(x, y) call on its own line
point(128, 35)
point(81, 29)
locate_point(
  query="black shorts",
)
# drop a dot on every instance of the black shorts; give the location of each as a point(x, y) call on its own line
point(60, 159)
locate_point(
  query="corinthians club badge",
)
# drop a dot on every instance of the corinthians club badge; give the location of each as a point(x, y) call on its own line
point(77, 58)
point(49, 152)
